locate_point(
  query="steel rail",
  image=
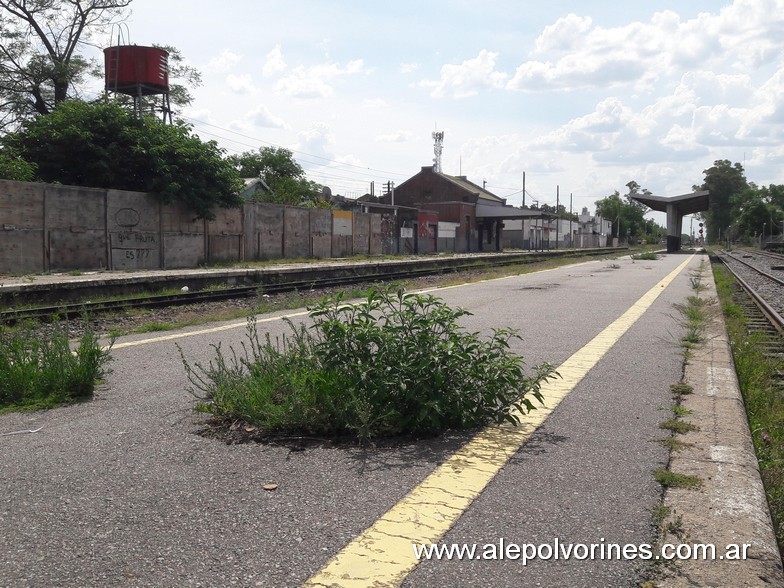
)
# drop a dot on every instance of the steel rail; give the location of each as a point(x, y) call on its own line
point(74, 310)
point(770, 313)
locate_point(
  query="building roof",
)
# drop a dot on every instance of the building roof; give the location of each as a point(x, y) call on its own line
point(483, 194)
point(253, 186)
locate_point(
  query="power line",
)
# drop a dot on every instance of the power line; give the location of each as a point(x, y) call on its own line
point(255, 139)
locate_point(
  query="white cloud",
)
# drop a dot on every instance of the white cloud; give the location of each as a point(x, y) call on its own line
point(408, 67)
point(566, 34)
point(317, 141)
point(262, 117)
point(467, 78)
point(590, 133)
point(240, 84)
point(574, 53)
point(274, 62)
point(374, 103)
point(317, 81)
point(396, 137)
point(224, 62)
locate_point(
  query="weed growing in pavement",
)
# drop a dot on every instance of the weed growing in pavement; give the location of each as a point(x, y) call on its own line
point(680, 411)
point(670, 479)
point(681, 389)
point(395, 363)
point(42, 372)
point(678, 426)
point(674, 444)
point(757, 373)
point(645, 256)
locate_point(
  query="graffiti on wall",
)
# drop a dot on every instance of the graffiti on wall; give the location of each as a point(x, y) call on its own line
point(133, 249)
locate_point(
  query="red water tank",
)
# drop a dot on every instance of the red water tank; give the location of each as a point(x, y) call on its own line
point(134, 69)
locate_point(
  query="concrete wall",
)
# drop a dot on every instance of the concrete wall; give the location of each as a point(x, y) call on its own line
point(47, 227)
point(22, 235)
point(342, 233)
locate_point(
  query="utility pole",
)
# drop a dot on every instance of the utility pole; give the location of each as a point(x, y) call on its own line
point(523, 189)
point(557, 206)
point(571, 233)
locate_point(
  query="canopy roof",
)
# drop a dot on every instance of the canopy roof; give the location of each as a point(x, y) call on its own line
point(685, 203)
point(509, 212)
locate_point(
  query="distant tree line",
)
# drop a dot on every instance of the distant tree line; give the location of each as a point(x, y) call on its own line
point(740, 210)
point(628, 216)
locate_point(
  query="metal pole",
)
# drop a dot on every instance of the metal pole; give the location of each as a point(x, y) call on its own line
point(571, 234)
point(523, 189)
point(557, 206)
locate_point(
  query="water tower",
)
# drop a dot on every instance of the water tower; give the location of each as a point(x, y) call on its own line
point(139, 72)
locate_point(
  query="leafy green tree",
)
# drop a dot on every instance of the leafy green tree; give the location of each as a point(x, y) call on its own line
point(723, 180)
point(41, 60)
point(13, 167)
point(105, 146)
point(285, 177)
point(626, 214)
point(39, 51)
point(756, 208)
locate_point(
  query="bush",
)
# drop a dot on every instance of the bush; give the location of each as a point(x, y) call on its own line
point(394, 364)
point(42, 372)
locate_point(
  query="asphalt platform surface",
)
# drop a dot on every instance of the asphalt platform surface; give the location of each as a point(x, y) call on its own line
point(123, 491)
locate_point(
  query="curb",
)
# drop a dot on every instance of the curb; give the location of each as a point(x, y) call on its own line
point(730, 507)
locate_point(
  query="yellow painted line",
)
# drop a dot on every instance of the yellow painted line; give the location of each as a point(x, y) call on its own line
point(182, 335)
point(383, 554)
point(236, 325)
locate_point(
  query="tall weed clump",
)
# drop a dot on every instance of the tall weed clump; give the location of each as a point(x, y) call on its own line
point(42, 371)
point(394, 364)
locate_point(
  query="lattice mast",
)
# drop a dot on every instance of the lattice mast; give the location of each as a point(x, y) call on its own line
point(438, 137)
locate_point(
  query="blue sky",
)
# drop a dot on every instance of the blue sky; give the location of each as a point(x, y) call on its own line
point(584, 96)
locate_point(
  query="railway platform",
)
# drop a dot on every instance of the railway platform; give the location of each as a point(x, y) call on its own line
point(69, 286)
point(124, 491)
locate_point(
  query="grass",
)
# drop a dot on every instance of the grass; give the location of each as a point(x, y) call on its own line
point(764, 403)
point(681, 389)
point(680, 411)
point(43, 372)
point(678, 426)
point(645, 256)
point(670, 479)
point(357, 373)
point(694, 314)
point(674, 444)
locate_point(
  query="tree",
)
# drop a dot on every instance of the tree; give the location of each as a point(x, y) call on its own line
point(626, 214)
point(105, 146)
point(13, 167)
point(285, 177)
point(41, 63)
point(39, 51)
point(723, 180)
point(754, 208)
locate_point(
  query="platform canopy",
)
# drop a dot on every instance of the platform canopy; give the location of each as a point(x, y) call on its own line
point(489, 211)
point(676, 208)
point(685, 203)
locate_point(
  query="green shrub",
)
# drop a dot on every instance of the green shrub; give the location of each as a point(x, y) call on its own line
point(394, 364)
point(42, 372)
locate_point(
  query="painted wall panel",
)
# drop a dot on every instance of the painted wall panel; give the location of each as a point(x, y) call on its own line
point(321, 233)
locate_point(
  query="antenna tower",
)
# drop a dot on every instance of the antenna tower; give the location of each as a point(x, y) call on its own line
point(438, 137)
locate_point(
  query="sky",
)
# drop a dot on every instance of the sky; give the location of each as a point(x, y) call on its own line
point(581, 97)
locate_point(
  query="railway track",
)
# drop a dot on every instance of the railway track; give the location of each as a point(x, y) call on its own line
point(759, 296)
point(93, 308)
point(761, 275)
